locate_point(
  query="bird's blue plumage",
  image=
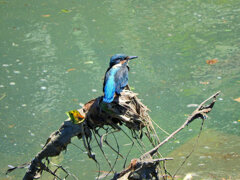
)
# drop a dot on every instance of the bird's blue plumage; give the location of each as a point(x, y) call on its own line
point(116, 77)
point(110, 85)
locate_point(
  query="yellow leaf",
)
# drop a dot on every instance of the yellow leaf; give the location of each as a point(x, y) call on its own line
point(75, 116)
point(238, 99)
point(239, 120)
point(65, 11)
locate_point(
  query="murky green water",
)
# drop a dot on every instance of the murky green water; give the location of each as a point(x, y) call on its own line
point(53, 55)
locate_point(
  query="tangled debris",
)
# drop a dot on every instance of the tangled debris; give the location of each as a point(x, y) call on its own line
point(145, 167)
point(126, 110)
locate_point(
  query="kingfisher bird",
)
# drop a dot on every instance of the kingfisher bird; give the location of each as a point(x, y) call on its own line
point(116, 76)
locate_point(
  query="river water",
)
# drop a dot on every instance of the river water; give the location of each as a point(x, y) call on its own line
point(53, 56)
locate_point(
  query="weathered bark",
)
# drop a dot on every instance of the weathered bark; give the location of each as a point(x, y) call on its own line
point(145, 167)
point(126, 110)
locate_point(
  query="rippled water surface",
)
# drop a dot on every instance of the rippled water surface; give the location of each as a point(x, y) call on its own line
point(53, 56)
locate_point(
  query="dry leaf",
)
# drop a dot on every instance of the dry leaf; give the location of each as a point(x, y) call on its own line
point(211, 61)
point(238, 99)
point(11, 125)
point(46, 15)
point(205, 83)
point(71, 69)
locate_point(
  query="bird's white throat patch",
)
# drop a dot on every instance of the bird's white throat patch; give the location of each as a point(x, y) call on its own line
point(117, 65)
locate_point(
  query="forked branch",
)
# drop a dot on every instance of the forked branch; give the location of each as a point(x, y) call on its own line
point(146, 166)
point(200, 112)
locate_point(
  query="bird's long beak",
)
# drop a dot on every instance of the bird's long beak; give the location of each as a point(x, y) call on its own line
point(132, 57)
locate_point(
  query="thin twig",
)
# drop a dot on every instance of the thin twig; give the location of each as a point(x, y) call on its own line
point(116, 157)
point(102, 137)
point(194, 147)
point(77, 146)
point(106, 142)
point(136, 138)
point(102, 151)
point(200, 109)
point(160, 128)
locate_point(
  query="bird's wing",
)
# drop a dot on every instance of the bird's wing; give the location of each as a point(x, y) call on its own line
point(109, 87)
point(109, 91)
point(121, 79)
point(106, 77)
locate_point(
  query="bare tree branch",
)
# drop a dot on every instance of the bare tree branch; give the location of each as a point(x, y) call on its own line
point(146, 166)
point(200, 112)
point(125, 110)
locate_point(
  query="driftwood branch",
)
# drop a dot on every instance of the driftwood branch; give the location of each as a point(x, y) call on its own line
point(200, 112)
point(139, 168)
point(126, 110)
